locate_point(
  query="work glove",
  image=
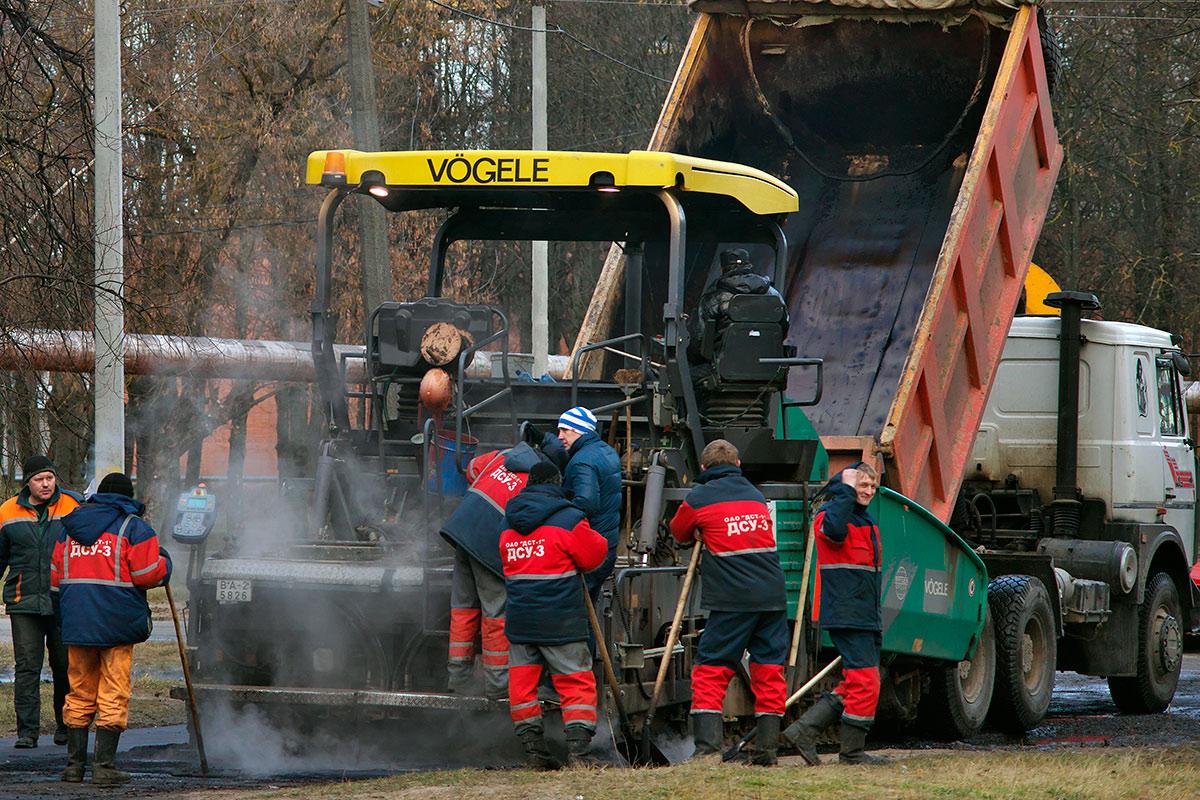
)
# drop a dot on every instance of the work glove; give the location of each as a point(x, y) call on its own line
point(530, 434)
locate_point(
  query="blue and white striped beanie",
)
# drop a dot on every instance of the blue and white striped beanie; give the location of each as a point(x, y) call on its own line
point(578, 419)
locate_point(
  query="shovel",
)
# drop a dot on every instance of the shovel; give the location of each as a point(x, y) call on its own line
point(669, 650)
point(732, 752)
point(627, 746)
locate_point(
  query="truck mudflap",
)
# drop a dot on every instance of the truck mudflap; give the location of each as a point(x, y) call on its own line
point(934, 584)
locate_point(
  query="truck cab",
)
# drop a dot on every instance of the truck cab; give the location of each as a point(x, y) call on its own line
point(1135, 450)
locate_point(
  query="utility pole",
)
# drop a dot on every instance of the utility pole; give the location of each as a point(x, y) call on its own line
point(109, 383)
point(376, 278)
point(540, 310)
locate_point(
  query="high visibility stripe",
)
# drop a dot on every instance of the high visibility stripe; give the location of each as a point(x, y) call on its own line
point(747, 551)
point(95, 582)
point(860, 567)
point(150, 568)
point(519, 706)
point(484, 495)
point(554, 577)
point(117, 549)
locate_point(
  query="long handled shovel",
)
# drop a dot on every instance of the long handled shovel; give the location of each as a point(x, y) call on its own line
point(187, 679)
point(803, 690)
point(627, 747)
point(669, 650)
point(799, 626)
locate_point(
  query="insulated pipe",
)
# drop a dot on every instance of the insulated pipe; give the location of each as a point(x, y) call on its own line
point(201, 357)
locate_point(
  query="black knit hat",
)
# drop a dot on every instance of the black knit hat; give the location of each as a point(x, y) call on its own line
point(116, 483)
point(544, 472)
point(35, 465)
point(732, 259)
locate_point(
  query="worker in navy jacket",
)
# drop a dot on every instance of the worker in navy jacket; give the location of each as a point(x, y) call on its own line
point(477, 597)
point(105, 560)
point(742, 587)
point(591, 477)
point(548, 543)
point(849, 608)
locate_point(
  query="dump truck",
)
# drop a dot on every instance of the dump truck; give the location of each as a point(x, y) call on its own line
point(920, 141)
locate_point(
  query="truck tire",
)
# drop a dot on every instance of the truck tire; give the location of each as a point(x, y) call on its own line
point(1160, 652)
point(1026, 652)
point(960, 695)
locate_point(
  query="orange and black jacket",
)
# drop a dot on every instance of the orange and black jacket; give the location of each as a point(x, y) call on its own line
point(741, 571)
point(849, 580)
point(27, 538)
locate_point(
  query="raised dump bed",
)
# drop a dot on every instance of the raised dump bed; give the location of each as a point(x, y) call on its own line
point(922, 149)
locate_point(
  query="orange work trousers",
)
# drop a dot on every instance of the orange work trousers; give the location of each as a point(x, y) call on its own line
point(101, 685)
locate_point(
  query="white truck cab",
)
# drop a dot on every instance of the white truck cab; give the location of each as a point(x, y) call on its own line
point(1135, 451)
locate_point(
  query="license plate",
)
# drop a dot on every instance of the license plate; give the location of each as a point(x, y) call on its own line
point(233, 591)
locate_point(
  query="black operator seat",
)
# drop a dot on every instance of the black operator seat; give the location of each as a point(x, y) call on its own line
point(755, 329)
point(395, 345)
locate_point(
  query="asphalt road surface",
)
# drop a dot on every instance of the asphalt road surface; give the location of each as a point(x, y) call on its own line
point(1081, 715)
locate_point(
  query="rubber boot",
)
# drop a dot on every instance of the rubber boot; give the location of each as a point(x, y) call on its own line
point(537, 755)
point(802, 734)
point(853, 739)
point(709, 731)
point(766, 741)
point(103, 771)
point(579, 745)
point(76, 754)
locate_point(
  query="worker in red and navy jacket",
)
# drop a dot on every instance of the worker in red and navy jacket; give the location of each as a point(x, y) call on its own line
point(849, 608)
point(477, 597)
point(105, 560)
point(743, 589)
point(547, 545)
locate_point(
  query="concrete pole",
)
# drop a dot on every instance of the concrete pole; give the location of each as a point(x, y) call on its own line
point(541, 250)
point(109, 383)
point(376, 278)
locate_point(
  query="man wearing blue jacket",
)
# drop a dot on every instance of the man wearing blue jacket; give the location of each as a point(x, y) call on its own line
point(742, 587)
point(849, 607)
point(546, 545)
point(477, 597)
point(591, 479)
point(105, 560)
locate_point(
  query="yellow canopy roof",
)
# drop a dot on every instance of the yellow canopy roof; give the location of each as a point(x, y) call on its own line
point(509, 171)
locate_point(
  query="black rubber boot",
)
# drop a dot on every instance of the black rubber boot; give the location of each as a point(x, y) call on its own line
point(853, 740)
point(76, 754)
point(709, 732)
point(766, 741)
point(103, 771)
point(537, 755)
point(802, 734)
point(579, 745)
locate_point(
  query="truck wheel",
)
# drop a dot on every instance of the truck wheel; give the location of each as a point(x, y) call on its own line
point(1026, 652)
point(1160, 652)
point(960, 695)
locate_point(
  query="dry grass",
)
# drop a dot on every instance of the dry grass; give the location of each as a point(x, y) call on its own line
point(149, 707)
point(1117, 774)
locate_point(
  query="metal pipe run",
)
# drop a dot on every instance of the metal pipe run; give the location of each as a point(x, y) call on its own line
point(198, 357)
